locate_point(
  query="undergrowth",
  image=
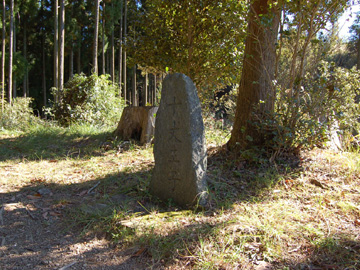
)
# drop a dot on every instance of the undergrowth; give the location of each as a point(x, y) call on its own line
point(18, 116)
point(90, 100)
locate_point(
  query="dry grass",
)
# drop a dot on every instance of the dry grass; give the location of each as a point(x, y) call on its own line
point(297, 214)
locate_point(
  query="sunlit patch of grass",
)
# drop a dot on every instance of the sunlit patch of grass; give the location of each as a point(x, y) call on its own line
point(348, 207)
point(290, 222)
point(216, 132)
point(272, 213)
point(346, 164)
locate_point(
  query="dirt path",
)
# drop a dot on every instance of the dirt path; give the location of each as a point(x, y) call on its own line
point(34, 236)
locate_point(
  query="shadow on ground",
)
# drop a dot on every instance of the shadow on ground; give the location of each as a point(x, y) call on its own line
point(48, 226)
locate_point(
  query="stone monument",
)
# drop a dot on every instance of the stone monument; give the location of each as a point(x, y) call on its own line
point(179, 150)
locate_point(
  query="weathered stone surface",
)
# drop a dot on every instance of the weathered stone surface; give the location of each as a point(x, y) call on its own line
point(137, 123)
point(179, 150)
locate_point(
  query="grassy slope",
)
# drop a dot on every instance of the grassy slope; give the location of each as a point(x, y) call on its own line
point(296, 214)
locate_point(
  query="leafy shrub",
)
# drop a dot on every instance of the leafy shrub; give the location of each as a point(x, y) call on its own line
point(18, 116)
point(87, 100)
point(326, 104)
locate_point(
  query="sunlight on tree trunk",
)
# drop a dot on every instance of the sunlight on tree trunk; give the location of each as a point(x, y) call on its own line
point(256, 91)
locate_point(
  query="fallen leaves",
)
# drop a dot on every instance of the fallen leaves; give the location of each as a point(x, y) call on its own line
point(48, 212)
point(357, 222)
point(139, 252)
point(318, 184)
point(36, 196)
point(37, 180)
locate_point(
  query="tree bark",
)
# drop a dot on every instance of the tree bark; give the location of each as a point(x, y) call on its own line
point(124, 57)
point(358, 52)
point(44, 71)
point(155, 91)
point(103, 40)
point(137, 123)
point(112, 67)
point(145, 90)
point(62, 45)
point(56, 45)
point(25, 56)
point(3, 57)
point(133, 90)
point(78, 59)
point(11, 49)
point(120, 47)
point(256, 91)
point(96, 38)
point(14, 53)
point(71, 61)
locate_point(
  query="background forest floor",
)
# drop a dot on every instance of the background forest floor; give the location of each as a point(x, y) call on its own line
point(78, 199)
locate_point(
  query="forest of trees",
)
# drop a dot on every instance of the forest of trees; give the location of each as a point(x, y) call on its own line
point(46, 42)
point(269, 48)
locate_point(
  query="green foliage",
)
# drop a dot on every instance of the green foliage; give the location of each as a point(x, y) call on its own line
point(326, 105)
point(202, 39)
point(88, 99)
point(18, 116)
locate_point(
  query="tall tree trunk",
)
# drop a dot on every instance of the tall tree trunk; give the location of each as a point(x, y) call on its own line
point(120, 47)
point(96, 38)
point(112, 61)
point(11, 49)
point(256, 91)
point(56, 45)
point(124, 57)
point(3, 57)
point(71, 61)
point(43, 40)
point(25, 56)
point(103, 40)
point(62, 44)
point(14, 53)
point(27, 85)
point(155, 91)
point(145, 90)
point(43, 70)
point(78, 58)
point(358, 52)
point(281, 31)
point(133, 90)
point(108, 60)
